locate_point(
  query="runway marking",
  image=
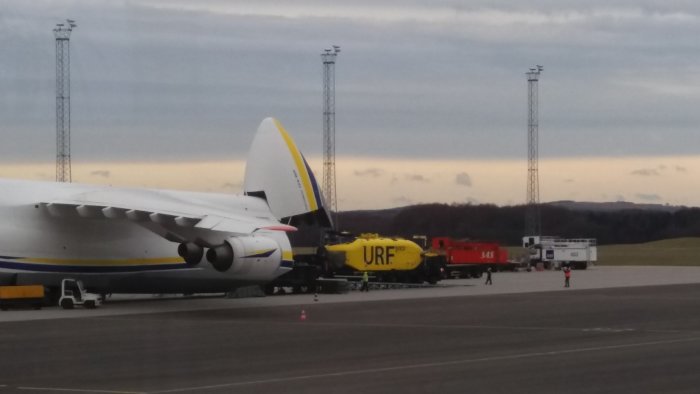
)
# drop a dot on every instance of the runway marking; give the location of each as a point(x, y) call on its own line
point(69, 390)
point(427, 365)
point(608, 329)
point(434, 326)
point(514, 328)
point(494, 327)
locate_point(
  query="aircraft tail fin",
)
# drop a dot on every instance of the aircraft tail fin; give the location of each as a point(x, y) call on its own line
point(278, 172)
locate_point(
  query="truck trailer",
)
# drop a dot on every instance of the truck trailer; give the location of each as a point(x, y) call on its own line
point(387, 259)
point(576, 253)
point(27, 296)
point(465, 259)
point(344, 255)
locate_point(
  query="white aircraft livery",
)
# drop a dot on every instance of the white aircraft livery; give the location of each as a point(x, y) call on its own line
point(159, 241)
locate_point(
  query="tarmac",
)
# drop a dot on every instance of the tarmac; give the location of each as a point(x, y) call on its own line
point(617, 329)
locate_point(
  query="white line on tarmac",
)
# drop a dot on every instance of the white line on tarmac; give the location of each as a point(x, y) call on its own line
point(430, 326)
point(495, 327)
point(428, 365)
point(69, 390)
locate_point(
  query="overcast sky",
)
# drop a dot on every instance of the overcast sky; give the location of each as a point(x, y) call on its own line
point(184, 81)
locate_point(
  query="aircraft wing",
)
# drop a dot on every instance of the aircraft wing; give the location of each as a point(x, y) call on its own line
point(176, 216)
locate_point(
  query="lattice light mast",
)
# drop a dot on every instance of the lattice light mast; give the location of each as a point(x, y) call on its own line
point(533, 220)
point(328, 185)
point(62, 33)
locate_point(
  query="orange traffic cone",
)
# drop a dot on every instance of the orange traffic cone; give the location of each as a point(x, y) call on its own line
point(303, 315)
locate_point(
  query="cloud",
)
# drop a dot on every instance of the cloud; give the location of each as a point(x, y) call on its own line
point(648, 197)
point(402, 200)
point(471, 200)
point(463, 179)
point(232, 186)
point(681, 169)
point(645, 172)
point(481, 13)
point(43, 175)
point(417, 178)
point(102, 173)
point(371, 172)
point(140, 87)
point(569, 180)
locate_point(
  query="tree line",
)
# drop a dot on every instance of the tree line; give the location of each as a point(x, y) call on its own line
point(506, 224)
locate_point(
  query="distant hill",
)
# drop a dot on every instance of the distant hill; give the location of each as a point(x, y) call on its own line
point(610, 223)
point(614, 206)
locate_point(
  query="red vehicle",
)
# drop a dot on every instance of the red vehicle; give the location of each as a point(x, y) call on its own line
point(470, 258)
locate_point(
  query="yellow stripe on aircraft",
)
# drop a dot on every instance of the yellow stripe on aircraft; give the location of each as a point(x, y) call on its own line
point(107, 262)
point(301, 168)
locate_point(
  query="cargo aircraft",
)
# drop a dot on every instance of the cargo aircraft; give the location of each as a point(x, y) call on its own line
point(128, 240)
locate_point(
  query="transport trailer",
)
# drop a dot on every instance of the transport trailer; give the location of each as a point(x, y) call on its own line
point(386, 259)
point(26, 296)
point(470, 259)
point(577, 253)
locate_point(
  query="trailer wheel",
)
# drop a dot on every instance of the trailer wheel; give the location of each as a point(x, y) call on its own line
point(67, 303)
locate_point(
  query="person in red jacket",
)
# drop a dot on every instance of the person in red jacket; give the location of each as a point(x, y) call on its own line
point(567, 276)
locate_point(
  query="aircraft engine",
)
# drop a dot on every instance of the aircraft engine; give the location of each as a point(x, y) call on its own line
point(246, 256)
point(191, 252)
point(221, 257)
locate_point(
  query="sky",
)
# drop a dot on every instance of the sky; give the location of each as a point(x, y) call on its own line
point(431, 95)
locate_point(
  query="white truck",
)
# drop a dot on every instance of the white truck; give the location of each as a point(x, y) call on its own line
point(73, 294)
point(576, 253)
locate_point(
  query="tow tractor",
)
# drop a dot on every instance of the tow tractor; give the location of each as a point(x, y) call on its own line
point(73, 293)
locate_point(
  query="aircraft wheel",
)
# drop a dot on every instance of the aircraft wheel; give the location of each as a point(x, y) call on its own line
point(90, 305)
